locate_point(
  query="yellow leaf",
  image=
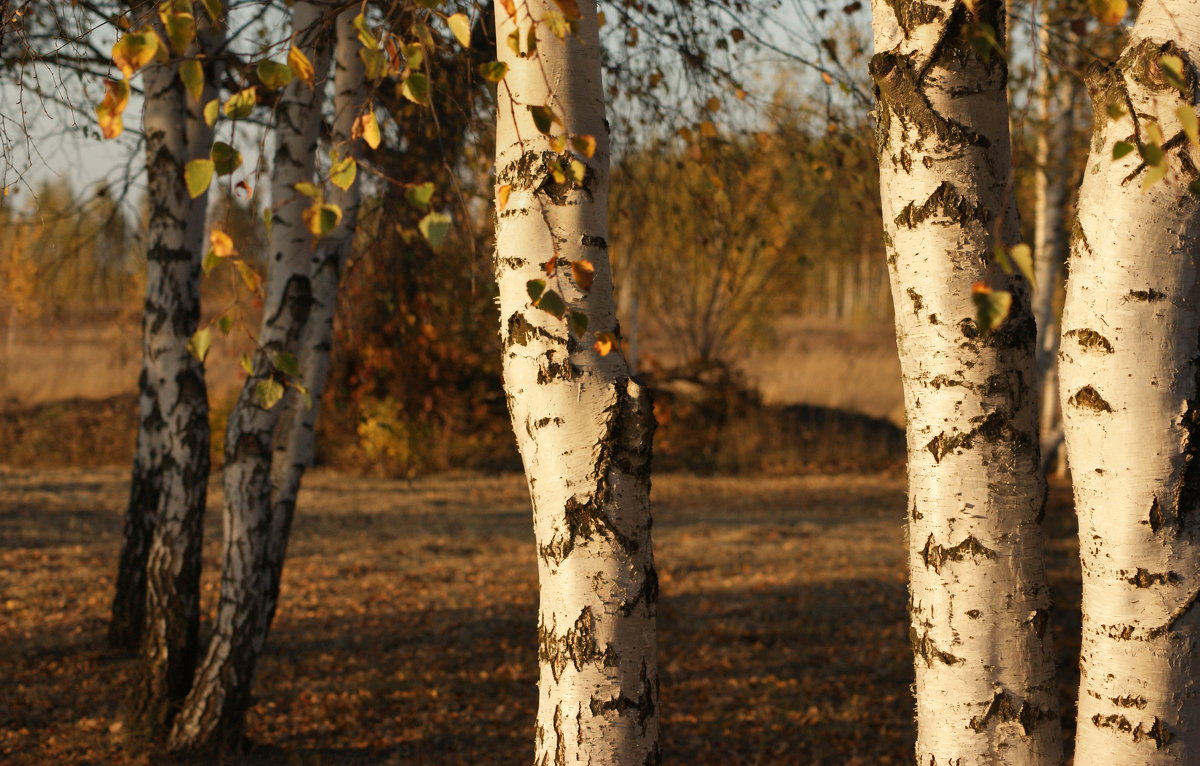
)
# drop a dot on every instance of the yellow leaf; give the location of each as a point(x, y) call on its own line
point(301, 66)
point(584, 144)
point(584, 273)
point(134, 51)
point(241, 104)
point(1109, 12)
point(198, 174)
point(249, 275)
point(222, 244)
point(366, 127)
point(460, 25)
point(570, 8)
point(321, 218)
point(109, 111)
point(192, 74)
point(273, 74)
point(342, 172)
point(180, 28)
point(511, 7)
point(502, 196)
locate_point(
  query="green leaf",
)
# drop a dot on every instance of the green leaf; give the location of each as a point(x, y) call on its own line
point(434, 227)
point(493, 71)
point(287, 364)
point(211, 259)
point(241, 104)
point(416, 88)
point(213, 8)
point(198, 174)
point(578, 322)
point(225, 158)
point(1121, 148)
point(460, 25)
point(246, 364)
point(273, 74)
point(543, 118)
point(199, 343)
point(991, 306)
point(374, 63)
point(535, 288)
point(552, 303)
point(192, 74)
point(267, 393)
point(225, 323)
point(343, 172)
point(420, 195)
point(321, 218)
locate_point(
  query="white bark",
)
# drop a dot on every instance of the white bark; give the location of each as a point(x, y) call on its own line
point(978, 595)
point(213, 715)
point(1131, 406)
point(583, 424)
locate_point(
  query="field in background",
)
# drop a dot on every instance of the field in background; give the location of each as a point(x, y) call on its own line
point(406, 630)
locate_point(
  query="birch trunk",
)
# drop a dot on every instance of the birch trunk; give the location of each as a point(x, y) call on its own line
point(583, 424)
point(1131, 403)
point(978, 595)
point(181, 126)
point(1057, 93)
point(213, 715)
point(175, 471)
point(294, 444)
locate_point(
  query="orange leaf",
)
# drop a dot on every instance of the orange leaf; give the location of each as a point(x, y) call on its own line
point(222, 244)
point(584, 273)
point(511, 7)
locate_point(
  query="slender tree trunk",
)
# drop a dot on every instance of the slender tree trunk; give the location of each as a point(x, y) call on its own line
point(978, 595)
point(213, 715)
point(181, 122)
point(178, 481)
point(1131, 405)
point(583, 424)
point(1057, 94)
point(295, 441)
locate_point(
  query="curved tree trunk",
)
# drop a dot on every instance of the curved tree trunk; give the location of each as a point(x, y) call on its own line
point(1057, 94)
point(978, 595)
point(1131, 404)
point(213, 715)
point(178, 481)
point(583, 424)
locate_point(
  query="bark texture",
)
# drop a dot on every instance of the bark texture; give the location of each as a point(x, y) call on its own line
point(583, 424)
point(172, 463)
point(1131, 406)
point(978, 594)
point(213, 715)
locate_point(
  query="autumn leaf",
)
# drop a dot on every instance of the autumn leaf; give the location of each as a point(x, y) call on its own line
point(300, 65)
point(273, 74)
point(343, 172)
point(605, 343)
point(502, 194)
point(366, 127)
point(109, 112)
point(197, 175)
point(510, 7)
point(191, 72)
point(135, 50)
point(221, 244)
point(584, 273)
point(321, 218)
point(460, 26)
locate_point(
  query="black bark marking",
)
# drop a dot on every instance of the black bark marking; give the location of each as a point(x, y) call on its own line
point(1187, 496)
point(560, 745)
point(1149, 295)
point(551, 370)
point(924, 647)
point(1138, 702)
point(974, 614)
point(579, 646)
point(643, 705)
point(911, 14)
point(1090, 340)
point(646, 595)
point(1088, 398)
point(1156, 517)
point(1007, 708)
point(917, 302)
point(945, 380)
point(993, 428)
point(1157, 733)
point(589, 240)
point(936, 556)
point(900, 91)
point(1147, 579)
point(945, 203)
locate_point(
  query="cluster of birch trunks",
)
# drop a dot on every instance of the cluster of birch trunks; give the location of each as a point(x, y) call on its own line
point(985, 685)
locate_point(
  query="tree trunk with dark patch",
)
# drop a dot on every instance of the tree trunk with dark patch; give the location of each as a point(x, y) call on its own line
point(172, 465)
point(583, 424)
point(213, 715)
point(1130, 368)
point(978, 594)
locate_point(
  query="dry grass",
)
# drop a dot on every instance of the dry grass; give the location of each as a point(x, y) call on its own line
point(406, 629)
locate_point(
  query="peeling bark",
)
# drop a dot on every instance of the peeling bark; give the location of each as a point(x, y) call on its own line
point(213, 715)
point(1129, 371)
point(978, 594)
point(583, 424)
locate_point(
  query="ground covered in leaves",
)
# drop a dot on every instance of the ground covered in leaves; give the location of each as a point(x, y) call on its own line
point(406, 631)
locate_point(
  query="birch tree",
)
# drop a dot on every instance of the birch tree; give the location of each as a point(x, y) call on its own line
point(1131, 396)
point(213, 714)
point(583, 424)
point(978, 595)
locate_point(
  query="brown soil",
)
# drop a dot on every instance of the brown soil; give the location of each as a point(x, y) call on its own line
point(406, 632)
